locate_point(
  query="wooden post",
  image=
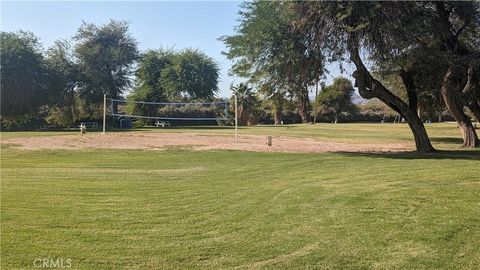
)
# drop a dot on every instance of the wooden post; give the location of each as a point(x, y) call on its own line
point(104, 112)
point(269, 140)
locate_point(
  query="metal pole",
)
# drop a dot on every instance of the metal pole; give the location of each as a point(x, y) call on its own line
point(315, 103)
point(236, 118)
point(104, 112)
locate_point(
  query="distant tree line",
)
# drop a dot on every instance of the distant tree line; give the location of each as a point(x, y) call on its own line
point(66, 83)
point(334, 103)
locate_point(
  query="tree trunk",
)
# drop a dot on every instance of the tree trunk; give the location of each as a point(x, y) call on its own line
point(368, 88)
point(277, 116)
point(304, 105)
point(407, 79)
point(420, 135)
point(450, 91)
point(454, 105)
point(242, 116)
point(474, 106)
point(473, 101)
point(422, 141)
point(336, 118)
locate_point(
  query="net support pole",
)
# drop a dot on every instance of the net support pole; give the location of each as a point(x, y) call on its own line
point(236, 118)
point(104, 112)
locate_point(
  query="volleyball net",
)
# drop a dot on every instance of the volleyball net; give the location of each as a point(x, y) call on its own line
point(162, 113)
point(149, 111)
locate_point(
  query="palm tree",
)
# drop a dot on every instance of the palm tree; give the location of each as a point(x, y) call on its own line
point(274, 99)
point(247, 102)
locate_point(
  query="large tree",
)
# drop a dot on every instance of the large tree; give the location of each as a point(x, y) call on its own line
point(148, 73)
point(192, 75)
point(267, 51)
point(457, 26)
point(64, 103)
point(149, 85)
point(337, 97)
point(439, 63)
point(169, 76)
point(23, 72)
point(377, 28)
point(274, 100)
point(106, 55)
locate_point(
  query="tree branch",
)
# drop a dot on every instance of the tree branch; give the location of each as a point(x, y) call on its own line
point(470, 85)
point(466, 22)
point(407, 80)
point(368, 87)
point(363, 80)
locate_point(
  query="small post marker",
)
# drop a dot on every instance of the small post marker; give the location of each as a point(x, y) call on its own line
point(269, 140)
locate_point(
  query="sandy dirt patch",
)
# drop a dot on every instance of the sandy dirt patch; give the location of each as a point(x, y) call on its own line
point(159, 141)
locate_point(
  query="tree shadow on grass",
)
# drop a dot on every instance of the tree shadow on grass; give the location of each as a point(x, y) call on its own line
point(440, 154)
point(447, 140)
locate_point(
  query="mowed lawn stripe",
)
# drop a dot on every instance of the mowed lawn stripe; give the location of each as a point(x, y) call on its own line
point(113, 209)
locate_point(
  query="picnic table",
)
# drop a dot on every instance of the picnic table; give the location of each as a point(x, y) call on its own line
point(162, 124)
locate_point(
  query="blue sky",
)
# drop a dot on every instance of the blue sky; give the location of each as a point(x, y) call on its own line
point(180, 24)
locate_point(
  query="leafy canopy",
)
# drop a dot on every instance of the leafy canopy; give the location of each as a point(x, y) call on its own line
point(23, 83)
point(191, 75)
point(337, 97)
point(106, 55)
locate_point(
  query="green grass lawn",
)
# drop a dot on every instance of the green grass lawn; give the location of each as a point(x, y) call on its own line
point(111, 209)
